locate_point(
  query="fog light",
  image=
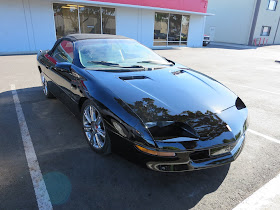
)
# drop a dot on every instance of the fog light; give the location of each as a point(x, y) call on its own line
point(156, 153)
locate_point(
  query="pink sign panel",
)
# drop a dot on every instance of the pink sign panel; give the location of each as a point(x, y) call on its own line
point(186, 5)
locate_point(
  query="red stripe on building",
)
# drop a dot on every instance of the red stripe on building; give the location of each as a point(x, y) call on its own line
point(185, 5)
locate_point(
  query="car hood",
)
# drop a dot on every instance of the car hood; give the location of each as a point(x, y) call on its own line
point(167, 94)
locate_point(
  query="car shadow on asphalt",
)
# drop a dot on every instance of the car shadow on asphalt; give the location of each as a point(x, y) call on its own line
point(91, 180)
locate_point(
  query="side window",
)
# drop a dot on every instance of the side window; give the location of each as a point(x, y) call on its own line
point(272, 5)
point(64, 52)
point(265, 31)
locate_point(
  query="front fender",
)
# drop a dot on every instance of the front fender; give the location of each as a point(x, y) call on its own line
point(117, 114)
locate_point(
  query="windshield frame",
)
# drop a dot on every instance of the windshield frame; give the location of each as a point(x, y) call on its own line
point(78, 62)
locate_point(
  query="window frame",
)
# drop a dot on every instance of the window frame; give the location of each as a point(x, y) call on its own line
point(166, 43)
point(55, 23)
point(78, 17)
point(269, 27)
point(269, 1)
point(51, 53)
point(167, 32)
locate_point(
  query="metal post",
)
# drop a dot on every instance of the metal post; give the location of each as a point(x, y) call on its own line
point(101, 20)
point(181, 29)
point(79, 18)
point(168, 28)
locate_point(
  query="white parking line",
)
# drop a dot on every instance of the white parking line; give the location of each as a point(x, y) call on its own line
point(267, 91)
point(265, 136)
point(41, 193)
point(262, 198)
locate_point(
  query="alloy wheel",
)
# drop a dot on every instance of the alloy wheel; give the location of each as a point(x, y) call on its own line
point(94, 127)
point(44, 83)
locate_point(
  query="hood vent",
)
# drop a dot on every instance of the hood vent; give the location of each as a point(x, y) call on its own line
point(133, 77)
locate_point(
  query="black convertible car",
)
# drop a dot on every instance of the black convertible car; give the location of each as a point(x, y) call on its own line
point(163, 114)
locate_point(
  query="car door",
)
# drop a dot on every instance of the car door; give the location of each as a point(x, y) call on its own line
point(65, 80)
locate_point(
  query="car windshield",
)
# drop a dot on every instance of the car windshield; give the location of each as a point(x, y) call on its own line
point(117, 53)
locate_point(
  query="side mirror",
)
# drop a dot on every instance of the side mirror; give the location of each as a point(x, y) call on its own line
point(63, 66)
point(170, 61)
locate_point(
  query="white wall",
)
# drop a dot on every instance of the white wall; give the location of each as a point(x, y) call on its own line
point(13, 33)
point(196, 31)
point(43, 24)
point(139, 24)
point(232, 20)
point(147, 27)
point(135, 23)
point(26, 26)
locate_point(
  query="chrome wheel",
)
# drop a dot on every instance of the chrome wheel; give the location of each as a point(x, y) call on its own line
point(44, 83)
point(94, 127)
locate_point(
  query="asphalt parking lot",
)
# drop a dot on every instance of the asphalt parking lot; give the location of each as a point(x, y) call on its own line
point(78, 178)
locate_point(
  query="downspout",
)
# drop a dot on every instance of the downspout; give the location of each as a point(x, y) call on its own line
point(254, 22)
point(276, 31)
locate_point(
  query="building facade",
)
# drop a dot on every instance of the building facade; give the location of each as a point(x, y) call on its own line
point(27, 26)
point(250, 22)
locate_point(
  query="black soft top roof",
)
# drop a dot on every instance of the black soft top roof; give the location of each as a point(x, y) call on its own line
point(76, 37)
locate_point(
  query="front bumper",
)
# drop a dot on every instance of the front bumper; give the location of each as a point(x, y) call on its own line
point(187, 162)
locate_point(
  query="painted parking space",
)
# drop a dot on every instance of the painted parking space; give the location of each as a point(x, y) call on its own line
point(41, 193)
point(16, 188)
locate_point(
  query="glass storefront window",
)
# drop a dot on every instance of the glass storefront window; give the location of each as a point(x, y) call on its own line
point(90, 19)
point(185, 28)
point(171, 29)
point(66, 19)
point(161, 29)
point(174, 29)
point(108, 21)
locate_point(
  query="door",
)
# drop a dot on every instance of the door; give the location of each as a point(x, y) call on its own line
point(212, 33)
point(64, 80)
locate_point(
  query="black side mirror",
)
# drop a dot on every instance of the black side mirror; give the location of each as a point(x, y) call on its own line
point(63, 66)
point(170, 61)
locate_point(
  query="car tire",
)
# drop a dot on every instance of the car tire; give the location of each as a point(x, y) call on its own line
point(46, 91)
point(94, 128)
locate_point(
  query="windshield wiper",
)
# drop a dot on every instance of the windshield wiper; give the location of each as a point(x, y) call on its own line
point(154, 62)
point(133, 66)
point(105, 63)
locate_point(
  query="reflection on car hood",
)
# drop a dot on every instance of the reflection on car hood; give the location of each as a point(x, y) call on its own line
point(168, 94)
